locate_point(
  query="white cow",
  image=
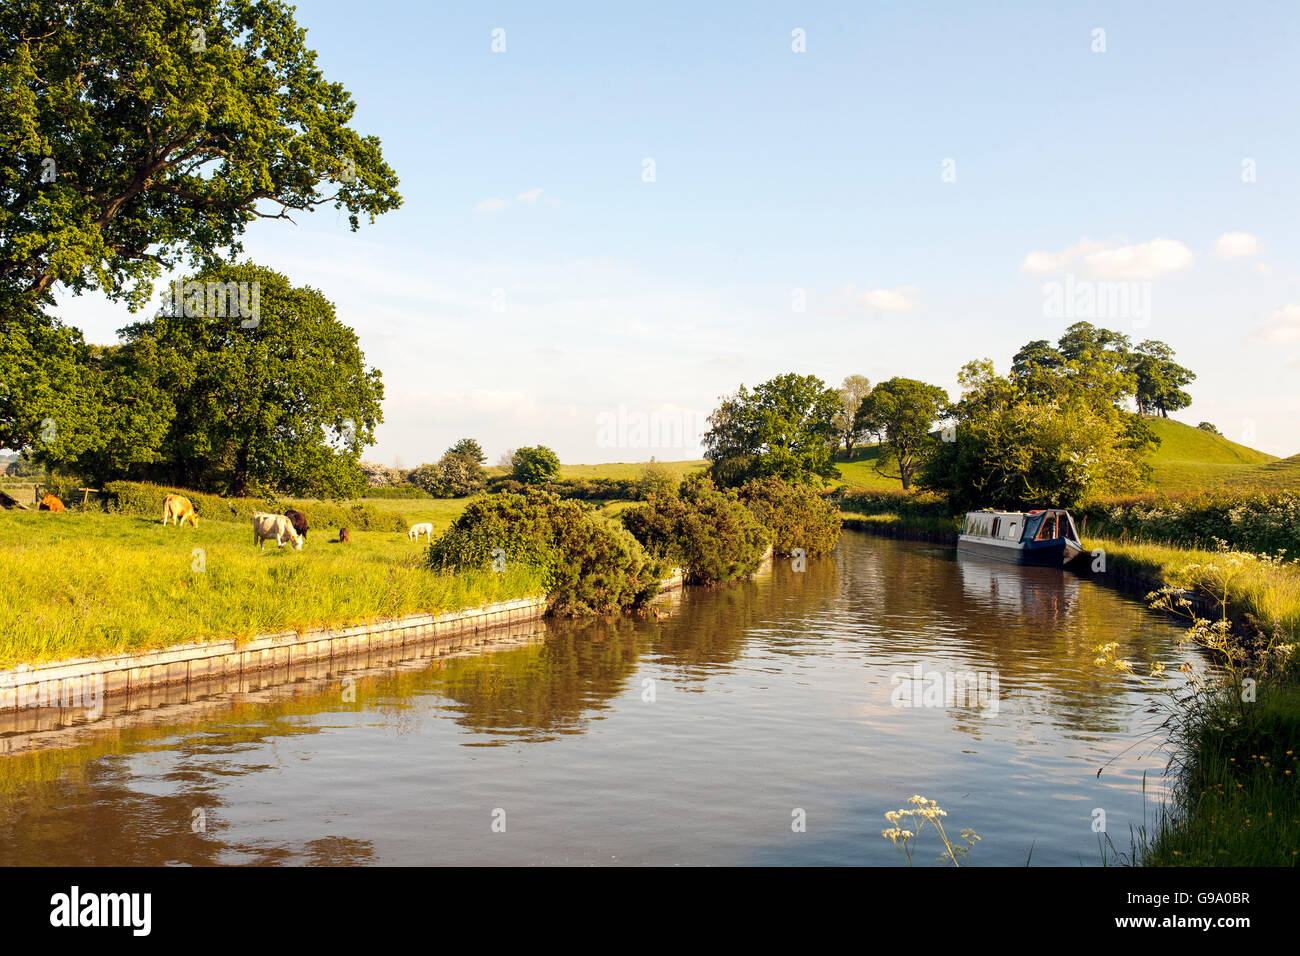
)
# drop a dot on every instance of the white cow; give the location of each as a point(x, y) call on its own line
point(268, 527)
point(424, 527)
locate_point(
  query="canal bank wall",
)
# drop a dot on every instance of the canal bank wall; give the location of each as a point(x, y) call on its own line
point(45, 691)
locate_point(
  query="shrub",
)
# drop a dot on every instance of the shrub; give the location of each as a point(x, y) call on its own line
point(590, 564)
point(797, 516)
point(708, 533)
point(871, 501)
point(656, 481)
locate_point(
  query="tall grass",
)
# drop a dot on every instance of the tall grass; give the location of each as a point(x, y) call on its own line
point(1266, 589)
point(74, 585)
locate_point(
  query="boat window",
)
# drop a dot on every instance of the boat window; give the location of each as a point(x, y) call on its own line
point(1049, 528)
point(997, 523)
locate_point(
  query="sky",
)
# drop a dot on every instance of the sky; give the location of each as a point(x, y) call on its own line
point(632, 209)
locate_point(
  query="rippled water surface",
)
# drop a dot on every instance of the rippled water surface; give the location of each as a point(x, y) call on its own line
point(687, 740)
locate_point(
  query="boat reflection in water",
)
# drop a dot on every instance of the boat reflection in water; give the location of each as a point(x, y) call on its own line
point(1019, 592)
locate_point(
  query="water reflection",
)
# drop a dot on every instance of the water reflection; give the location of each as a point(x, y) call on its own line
point(687, 739)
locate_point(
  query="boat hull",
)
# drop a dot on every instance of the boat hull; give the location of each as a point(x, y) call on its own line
point(1055, 553)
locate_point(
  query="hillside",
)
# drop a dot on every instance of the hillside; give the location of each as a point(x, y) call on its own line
point(1187, 459)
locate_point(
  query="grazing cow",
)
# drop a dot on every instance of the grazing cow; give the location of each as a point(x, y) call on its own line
point(179, 509)
point(344, 537)
point(277, 528)
point(424, 527)
point(299, 521)
point(51, 503)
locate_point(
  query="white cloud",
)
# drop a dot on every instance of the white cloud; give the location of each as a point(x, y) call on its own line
point(1263, 268)
point(1143, 261)
point(889, 300)
point(1280, 327)
point(492, 205)
point(531, 195)
point(1233, 244)
point(1039, 261)
point(1110, 260)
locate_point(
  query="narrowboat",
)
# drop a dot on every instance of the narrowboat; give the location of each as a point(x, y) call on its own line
point(1046, 537)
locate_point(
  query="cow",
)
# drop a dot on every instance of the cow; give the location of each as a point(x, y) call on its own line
point(51, 503)
point(424, 527)
point(299, 521)
point(344, 537)
point(179, 509)
point(268, 527)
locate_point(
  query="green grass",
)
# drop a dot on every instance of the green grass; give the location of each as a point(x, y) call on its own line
point(1268, 592)
point(1237, 799)
point(1189, 459)
point(76, 585)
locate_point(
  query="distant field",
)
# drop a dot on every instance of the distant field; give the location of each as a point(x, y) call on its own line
point(441, 511)
point(629, 469)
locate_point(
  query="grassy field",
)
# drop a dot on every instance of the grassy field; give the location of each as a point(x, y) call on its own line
point(75, 585)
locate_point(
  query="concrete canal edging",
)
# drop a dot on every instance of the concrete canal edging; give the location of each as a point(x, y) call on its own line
point(61, 683)
point(71, 684)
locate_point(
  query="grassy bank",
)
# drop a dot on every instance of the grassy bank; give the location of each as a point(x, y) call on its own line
point(76, 585)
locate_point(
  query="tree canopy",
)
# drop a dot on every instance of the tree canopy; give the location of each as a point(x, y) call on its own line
point(132, 135)
point(901, 413)
point(784, 427)
point(285, 405)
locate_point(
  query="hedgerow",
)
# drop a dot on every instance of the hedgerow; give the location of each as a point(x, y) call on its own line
point(140, 498)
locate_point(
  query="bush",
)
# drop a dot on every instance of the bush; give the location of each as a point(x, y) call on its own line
point(584, 489)
point(590, 564)
point(1261, 522)
point(146, 500)
point(797, 516)
point(709, 534)
point(868, 501)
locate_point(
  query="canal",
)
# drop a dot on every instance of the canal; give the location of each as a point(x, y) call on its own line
point(765, 723)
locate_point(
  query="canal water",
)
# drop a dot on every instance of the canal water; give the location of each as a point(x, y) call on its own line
point(765, 723)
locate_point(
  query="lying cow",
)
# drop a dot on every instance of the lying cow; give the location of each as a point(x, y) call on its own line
point(299, 521)
point(179, 508)
point(278, 528)
point(424, 527)
point(50, 503)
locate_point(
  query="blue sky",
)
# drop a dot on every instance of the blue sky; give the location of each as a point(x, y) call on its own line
point(533, 286)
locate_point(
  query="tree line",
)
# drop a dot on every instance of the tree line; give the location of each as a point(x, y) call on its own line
point(1056, 429)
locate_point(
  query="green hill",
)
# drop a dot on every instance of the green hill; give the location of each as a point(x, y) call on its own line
point(1187, 459)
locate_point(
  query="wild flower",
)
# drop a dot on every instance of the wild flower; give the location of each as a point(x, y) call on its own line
point(925, 811)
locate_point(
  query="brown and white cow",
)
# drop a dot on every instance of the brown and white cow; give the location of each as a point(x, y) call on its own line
point(277, 528)
point(179, 509)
